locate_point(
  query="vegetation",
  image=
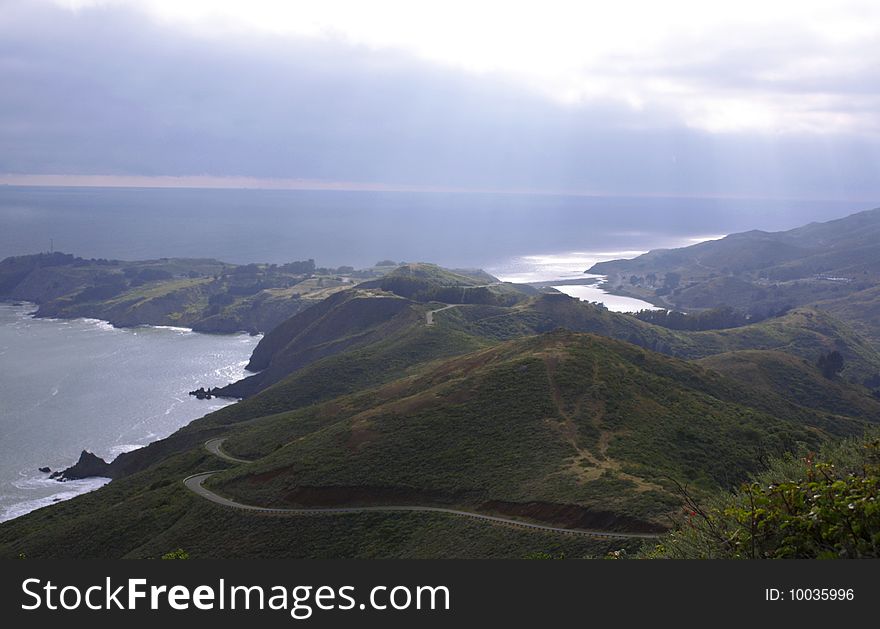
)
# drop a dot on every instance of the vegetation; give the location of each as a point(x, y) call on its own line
point(144, 515)
point(207, 295)
point(714, 319)
point(830, 364)
point(429, 282)
point(799, 381)
point(834, 266)
point(803, 332)
point(583, 425)
point(535, 406)
point(824, 506)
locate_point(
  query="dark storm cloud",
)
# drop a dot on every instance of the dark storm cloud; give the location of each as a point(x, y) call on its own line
point(109, 91)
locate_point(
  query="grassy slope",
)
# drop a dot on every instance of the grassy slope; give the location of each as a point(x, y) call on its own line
point(151, 513)
point(370, 313)
point(597, 430)
point(834, 266)
point(861, 310)
point(412, 345)
point(795, 379)
point(353, 370)
point(523, 421)
point(560, 419)
point(569, 428)
point(803, 332)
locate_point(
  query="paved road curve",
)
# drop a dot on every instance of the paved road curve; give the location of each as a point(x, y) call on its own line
point(195, 483)
point(214, 447)
point(429, 316)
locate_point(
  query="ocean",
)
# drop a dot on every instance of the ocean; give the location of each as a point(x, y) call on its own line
point(511, 233)
point(81, 384)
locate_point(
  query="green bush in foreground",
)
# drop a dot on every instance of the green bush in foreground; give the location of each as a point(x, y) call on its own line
point(814, 507)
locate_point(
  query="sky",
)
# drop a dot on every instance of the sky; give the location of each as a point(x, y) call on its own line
point(768, 99)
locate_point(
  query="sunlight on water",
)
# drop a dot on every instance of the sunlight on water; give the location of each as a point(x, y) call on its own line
point(615, 303)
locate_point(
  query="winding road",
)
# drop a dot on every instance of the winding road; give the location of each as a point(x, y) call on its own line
point(214, 447)
point(195, 483)
point(429, 316)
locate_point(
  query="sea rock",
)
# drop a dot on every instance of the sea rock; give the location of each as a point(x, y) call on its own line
point(88, 466)
point(202, 394)
point(45, 470)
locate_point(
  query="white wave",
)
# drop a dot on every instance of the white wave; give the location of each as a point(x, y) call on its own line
point(66, 491)
point(170, 409)
point(169, 327)
point(122, 448)
point(97, 323)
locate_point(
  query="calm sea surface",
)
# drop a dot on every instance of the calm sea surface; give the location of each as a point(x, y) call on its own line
point(359, 228)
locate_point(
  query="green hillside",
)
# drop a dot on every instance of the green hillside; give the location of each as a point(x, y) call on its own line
point(361, 338)
point(544, 409)
point(431, 283)
point(372, 312)
point(567, 429)
point(819, 505)
point(843, 246)
point(803, 332)
point(561, 419)
point(795, 379)
point(833, 265)
point(860, 309)
point(206, 295)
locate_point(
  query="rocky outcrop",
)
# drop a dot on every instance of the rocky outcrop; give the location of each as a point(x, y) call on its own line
point(88, 466)
point(205, 394)
point(128, 463)
point(45, 470)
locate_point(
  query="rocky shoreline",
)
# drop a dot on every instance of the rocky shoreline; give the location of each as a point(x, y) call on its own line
point(88, 466)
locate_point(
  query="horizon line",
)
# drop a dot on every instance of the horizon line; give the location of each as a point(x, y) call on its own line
point(212, 182)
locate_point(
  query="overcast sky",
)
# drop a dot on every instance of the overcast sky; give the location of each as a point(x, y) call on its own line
point(762, 99)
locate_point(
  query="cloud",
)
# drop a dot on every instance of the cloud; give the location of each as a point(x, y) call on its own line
point(113, 90)
point(772, 65)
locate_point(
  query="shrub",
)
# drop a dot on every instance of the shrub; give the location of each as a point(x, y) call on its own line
point(800, 508)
